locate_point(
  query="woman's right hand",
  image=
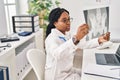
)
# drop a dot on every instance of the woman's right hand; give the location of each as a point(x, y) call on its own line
point(82, 31)
point(103, 38)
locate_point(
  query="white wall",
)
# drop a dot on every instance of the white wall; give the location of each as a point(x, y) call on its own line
point(115, 19)
point(23, 6)
point(3, 26)
point(76, 11)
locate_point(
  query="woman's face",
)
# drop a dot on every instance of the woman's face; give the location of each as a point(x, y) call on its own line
point(63, 23)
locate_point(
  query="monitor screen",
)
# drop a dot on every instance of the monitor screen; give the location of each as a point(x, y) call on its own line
point(118, 51)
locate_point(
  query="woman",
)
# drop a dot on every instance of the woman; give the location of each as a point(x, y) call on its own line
point(60, 49)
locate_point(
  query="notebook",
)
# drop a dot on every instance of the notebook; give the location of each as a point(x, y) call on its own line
point(108, 59)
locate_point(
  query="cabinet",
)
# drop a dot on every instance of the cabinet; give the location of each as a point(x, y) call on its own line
point(25, 23)
point(15, 56)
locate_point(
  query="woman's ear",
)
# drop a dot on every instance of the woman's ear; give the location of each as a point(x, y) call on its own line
point(55, 24)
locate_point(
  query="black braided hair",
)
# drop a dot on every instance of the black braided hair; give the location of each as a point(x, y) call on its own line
point(53, 17)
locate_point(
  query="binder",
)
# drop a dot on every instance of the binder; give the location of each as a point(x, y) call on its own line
point(1, 74)
point(4, 73)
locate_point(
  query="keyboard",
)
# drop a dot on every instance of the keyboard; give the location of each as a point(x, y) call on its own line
point(110, 59)
point(9, 39)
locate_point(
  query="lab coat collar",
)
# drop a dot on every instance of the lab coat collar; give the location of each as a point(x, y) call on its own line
point(58, 33)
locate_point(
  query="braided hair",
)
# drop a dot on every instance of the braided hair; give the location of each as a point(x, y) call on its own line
point(53, 17)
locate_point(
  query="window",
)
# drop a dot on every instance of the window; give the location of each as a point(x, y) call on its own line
point(10, 10)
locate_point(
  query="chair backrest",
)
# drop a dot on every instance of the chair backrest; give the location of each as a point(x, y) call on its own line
point(37, 60)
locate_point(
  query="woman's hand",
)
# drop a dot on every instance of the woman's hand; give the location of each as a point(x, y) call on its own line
point(105, 37)
point(82, 31)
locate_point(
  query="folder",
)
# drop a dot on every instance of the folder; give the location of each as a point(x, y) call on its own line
point(4, 73)
point(24, 33)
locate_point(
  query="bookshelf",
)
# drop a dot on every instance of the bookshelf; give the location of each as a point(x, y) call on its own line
point(15, 56)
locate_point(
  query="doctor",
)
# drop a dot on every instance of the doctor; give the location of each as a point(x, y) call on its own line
point(60, 48)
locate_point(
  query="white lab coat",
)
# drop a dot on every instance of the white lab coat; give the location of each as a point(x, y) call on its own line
point(60, 53)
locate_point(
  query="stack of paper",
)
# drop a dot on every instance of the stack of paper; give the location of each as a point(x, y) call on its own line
point(103, 71)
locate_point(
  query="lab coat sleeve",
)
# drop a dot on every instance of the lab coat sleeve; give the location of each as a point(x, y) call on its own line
point(83, 44)
point(66, 49)
point(63, 50)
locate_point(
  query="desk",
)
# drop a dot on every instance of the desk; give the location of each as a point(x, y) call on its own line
point(15, 56)
point(89, 57)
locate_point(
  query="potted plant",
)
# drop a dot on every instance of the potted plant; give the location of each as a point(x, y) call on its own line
point(42, 8)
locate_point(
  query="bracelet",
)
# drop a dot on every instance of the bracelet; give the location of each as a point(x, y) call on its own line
point(75, 41)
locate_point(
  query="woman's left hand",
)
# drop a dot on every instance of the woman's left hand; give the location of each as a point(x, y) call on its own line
point(105, 37)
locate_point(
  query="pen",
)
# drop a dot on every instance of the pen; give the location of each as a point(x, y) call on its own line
point(100, 75)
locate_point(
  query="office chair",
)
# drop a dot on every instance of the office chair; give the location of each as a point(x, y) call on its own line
point(37, 60)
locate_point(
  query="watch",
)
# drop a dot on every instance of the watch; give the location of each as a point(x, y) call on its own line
point(75, 41)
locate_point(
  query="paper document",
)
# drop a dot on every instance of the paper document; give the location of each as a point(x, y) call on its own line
point(103, 71)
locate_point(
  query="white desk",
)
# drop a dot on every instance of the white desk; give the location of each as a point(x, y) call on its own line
point(89, 58)
point(15, 56)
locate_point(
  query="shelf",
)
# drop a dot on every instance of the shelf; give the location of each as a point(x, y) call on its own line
point(26, 73)
point(25, 26)
point(25, 21)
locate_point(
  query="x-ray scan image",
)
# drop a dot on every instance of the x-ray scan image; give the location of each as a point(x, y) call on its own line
point(98, 21)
